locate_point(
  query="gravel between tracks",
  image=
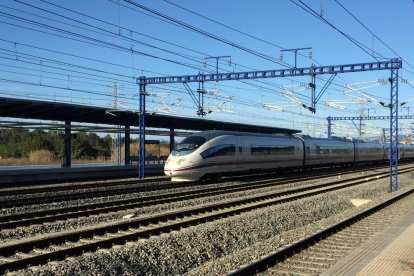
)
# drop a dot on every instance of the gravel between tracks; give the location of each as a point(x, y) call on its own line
point(215, 248)
point(77, 202)
point(24, 232)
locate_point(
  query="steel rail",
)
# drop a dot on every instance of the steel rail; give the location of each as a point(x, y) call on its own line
point(272, 259)
point(182, 218)
point(71, 186)
point(42, 199)
point(24, 219)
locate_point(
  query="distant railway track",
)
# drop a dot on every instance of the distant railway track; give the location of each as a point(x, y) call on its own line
point(38, 250)
point(28, 196)
point(315, 253)
point(28, 218)
point(47, 188)
point(76, 186)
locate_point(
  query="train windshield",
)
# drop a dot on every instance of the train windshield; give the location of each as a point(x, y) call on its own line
point(189, 145)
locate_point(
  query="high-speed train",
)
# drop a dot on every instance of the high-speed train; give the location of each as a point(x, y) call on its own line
point(209, 154)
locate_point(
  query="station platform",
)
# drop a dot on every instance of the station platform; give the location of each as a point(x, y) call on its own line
point(54, 174)
point(389, 253)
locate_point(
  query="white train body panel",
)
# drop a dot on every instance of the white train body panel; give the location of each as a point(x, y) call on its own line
point(369, 151)
point(328, 151)
point(271, 152)
point(406, 151)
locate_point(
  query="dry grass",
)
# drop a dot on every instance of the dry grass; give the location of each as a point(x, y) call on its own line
point(42, 157)
point(28, 162)
point(16, 162)
point(152, 150)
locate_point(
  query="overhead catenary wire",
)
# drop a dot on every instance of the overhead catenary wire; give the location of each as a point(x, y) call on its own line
point(32, 57)
point(259, 89)
point(123, 28)
point(105, 31)
point(43, 9)
point(77, 21)
point(374, 35)
point(228, 27)
point(312, 12)
point(15, 43)
point(90, 40)
point(205, 33)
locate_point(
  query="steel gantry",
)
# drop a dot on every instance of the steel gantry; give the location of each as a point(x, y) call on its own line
point(361, 118)
point(393, 65)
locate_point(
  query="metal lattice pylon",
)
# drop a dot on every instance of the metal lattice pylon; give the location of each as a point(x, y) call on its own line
point(141, 150)
point(394, 131)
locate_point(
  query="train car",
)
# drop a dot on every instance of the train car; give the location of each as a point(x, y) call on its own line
point(215, 153)
point(406, 151)
point(327, 151)
point(211, 154)
point(369, 152)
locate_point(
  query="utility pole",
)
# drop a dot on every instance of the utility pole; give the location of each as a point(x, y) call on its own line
point(116, 141)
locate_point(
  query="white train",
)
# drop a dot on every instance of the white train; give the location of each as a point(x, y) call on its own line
point(215, 153)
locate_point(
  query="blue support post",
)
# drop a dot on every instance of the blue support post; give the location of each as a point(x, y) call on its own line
point(394, 131)
point(67, 159)
point(171, 139)
point(313, 97)
point(118, 145)
point(329, 127)
point(141, 150)
point(127, 145)
point(201, 92)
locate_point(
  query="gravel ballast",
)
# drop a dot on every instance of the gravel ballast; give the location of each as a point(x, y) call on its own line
point(217, 247)
point(24, 232)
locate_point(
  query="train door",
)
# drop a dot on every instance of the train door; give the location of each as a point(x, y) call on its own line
point(240, 152)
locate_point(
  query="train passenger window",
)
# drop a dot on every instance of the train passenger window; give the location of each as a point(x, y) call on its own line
point(323, 150)
point(219, 150)
point(341, 150)
point(272, 150)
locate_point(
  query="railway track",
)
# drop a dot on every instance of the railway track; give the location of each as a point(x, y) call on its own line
point(115, 189)
point(316, 253)
point(9, 191)
point(28, 218)
point(38, 250)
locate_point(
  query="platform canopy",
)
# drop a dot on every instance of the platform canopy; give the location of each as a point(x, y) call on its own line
point(43, 110)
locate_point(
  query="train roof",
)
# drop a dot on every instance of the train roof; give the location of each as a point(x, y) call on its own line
point(210, 134)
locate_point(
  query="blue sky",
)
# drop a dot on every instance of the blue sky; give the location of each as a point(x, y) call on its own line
point(74, 51)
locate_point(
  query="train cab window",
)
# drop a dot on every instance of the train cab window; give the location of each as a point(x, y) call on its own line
point(219, 150)
point(188, 145)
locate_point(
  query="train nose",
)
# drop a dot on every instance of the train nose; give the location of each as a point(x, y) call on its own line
point(168, 172)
